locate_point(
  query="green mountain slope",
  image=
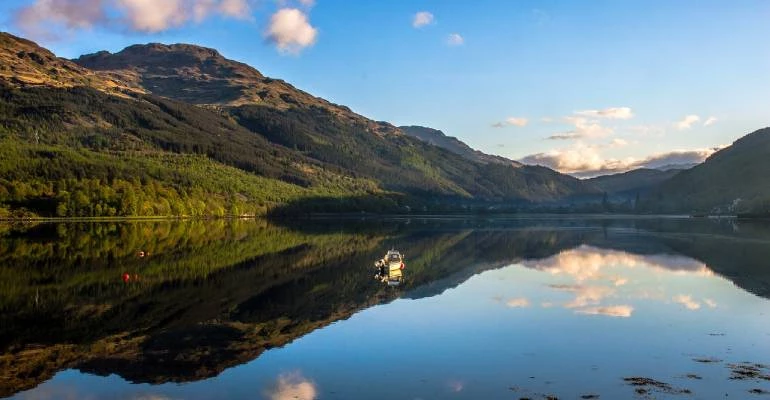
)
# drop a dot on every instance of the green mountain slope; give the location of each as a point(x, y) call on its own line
point(183, 103)
point(72, 147)
point(733, 179)
point(438, 138)
point(328, 132)
point(628, 185)
point(24, 63)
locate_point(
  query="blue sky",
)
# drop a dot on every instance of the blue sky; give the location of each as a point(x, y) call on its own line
point(584, 87)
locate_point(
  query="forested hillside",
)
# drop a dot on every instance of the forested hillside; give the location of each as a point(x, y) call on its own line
point(438, 138)
point(324, 131)
point(732, 180)
point(633, 184)
point(189, 133)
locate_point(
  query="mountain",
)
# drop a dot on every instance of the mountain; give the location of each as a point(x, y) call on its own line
point(627, 185)
point(438, 138)
point(193, 133)
point(733, 179)
point(679, 167)
point(324, 131)
point(24, 63)
point(200, 75)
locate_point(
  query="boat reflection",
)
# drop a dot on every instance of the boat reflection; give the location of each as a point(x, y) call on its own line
point(390, 269)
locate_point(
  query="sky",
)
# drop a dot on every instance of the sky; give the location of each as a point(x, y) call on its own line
point(584, 87)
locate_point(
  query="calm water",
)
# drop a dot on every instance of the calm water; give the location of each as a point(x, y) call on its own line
point(487, 309)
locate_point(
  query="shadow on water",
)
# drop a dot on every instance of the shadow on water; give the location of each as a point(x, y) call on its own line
point(178, 301)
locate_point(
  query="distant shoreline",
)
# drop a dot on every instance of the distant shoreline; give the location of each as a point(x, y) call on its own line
point(116, 219)
point(359, 215)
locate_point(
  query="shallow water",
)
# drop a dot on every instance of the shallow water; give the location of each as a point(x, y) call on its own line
point(489, 308)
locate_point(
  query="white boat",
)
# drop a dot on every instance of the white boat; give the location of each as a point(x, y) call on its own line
point(390, 267)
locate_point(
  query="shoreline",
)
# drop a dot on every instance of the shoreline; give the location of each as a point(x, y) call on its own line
point(364, 215)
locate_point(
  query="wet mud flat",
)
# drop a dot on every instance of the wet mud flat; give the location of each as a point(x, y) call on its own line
point(754, 376)
point(748, 372)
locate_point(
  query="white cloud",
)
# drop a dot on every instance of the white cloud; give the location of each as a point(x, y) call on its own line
point(235, 8)
point(687, 301)
point(293, 386)
point(307, 3)
point(519, 302)
point(676, 157)
point(617, 142)
point(454, 39)
point(35, 19)
point(687, 122)
point(587, 125)
point(577, 159)
point(511, 121)
point(42, 17)
point(646, 130)
point(623, 311)
point(584, 129)
point(421, 19)
point(609, 113)
point(291, 31)
point(710, 303)
point(710, 121)
point(585, 161)
point(202, 9)
point(153, 16)
point(516, 121)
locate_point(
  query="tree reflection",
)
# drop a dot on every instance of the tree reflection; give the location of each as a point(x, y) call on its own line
point(208, 295)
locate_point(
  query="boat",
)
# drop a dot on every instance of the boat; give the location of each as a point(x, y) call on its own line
point(390, 267)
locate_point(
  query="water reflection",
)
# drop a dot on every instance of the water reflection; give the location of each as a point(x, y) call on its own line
point(604, 281)
point(390, 268)
point(210, 295)
point(293, 386)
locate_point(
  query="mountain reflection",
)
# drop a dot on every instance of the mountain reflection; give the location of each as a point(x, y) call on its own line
point(209, 295)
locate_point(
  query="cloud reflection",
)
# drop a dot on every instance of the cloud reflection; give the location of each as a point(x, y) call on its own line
point(623, 311)
point(618, 281)
point(601, 274)
point(293, 386)
point(587, 262)
point(585, 295)
point(519, 302)
point(456, 386)
point(687, 301)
